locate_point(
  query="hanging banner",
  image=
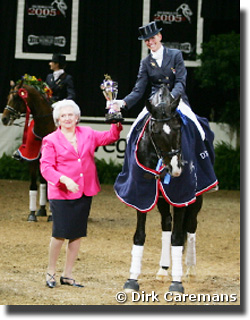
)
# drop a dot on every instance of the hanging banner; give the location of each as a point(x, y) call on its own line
point(45, 27)
point(182, 26)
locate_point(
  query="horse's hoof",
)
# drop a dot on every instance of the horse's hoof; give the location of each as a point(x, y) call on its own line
point(162, 274)
point(176, 286)
point(131, 285)
point(42, 212)
point(32, 217)
point(49, 218)
point(16, 155)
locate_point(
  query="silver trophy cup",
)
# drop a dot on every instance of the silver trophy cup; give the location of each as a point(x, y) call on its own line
point(110, 90)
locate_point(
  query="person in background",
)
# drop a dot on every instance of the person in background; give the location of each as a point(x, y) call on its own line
point(67, 163)
point(59, 81)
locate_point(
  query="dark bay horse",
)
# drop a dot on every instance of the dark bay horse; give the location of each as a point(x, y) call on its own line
point(27, 99)
point(160, 146)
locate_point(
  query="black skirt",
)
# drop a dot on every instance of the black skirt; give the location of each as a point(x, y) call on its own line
point(70, 217)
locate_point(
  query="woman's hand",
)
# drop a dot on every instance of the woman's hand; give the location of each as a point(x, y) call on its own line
point(119, 126)
point(70, 184)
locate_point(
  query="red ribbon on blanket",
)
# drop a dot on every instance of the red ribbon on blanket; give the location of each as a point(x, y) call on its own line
point(24, 95)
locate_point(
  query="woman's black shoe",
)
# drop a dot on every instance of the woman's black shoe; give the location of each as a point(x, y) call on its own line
point(50, 283)
point(72, 283)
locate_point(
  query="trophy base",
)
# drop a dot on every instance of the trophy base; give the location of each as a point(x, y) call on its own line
point(113, 117)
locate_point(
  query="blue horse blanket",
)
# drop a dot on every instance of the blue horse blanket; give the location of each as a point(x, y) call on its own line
point(139, 187)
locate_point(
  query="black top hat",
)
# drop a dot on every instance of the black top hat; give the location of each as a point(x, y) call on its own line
point(148, 31)
point(59, 58)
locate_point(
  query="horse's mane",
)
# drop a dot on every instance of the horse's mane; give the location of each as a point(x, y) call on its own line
point(37, 84)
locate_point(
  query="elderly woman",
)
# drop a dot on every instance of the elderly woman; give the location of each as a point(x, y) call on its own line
point(67, 163)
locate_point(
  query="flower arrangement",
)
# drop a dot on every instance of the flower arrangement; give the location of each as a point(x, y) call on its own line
point(38, 84)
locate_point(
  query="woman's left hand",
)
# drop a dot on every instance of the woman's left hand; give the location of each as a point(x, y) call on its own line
point(119, 125)
point(70, 184)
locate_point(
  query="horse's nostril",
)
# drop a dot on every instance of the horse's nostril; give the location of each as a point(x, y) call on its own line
point(5, 121)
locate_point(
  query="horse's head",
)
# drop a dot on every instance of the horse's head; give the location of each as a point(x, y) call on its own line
point(15, 104)
point(165, 129)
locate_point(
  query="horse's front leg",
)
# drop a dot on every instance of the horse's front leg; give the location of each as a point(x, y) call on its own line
point(33, 191)
point(137, 253)
point(42, 212)
point(166, 225)
point(177, 243)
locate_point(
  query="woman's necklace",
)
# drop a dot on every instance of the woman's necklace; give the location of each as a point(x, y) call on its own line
point(72, 139)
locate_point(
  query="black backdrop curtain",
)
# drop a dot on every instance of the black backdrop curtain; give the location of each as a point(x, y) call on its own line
point(107, 43)
point(220, 16)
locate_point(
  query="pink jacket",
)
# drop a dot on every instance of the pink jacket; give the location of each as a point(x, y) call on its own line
point(60, 158)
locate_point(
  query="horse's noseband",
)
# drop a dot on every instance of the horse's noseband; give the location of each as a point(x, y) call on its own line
point(14, 114)
point(23, 94)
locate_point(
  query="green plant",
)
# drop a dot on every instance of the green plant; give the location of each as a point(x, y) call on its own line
point(13, 169)
point(219, 74)
point(107, 171)
point(227, 166)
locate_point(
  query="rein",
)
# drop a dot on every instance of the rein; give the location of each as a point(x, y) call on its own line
point(23, 94)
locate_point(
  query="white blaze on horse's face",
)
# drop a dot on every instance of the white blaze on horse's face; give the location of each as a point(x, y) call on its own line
point(176, 169)
point(166, 128)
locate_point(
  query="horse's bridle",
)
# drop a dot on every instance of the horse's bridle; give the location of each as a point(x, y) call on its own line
point(160, 153)
point(14, 114)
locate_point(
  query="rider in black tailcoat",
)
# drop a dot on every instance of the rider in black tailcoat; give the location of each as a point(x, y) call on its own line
point(162, 66)
point(59, 81)
point(165, 66)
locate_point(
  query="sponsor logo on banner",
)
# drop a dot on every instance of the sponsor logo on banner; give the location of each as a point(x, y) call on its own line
point(46, 40)
point(44, 11)
point(45, 27)
point(181, 25)
point(182, 14)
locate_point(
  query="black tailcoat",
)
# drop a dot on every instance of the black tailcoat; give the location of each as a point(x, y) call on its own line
point(63, 87)
point(173, 73)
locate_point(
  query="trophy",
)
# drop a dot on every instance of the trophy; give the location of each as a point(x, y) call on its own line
point(110, 90)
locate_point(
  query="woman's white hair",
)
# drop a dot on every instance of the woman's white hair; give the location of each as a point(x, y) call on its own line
point(57, 106)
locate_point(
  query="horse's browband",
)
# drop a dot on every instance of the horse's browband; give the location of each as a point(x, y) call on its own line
point(165, 119)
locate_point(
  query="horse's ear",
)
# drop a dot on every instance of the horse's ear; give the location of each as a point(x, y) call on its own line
point(149, 106)
point(12, 83)
point(175, 104)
